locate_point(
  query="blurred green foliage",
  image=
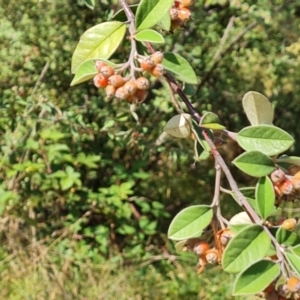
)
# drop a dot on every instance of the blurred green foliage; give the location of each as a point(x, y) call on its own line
point(88, 173)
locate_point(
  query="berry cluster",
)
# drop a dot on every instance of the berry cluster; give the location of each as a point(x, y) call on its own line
point(133, 91)
point(285, 185)
point(152, 64)
point(180, 13)
point(206, 253)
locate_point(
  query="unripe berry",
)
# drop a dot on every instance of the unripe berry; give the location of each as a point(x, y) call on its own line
point(116, 80)
point(286, 187)
point(107, 71)
point(293, 284)
point(277, 176)
point(142, 83)
point(121, 93)
point(200, 248)
point(99, 64)
point(158, 71)
point(147, 64)
point(212, 256)
point(130, 87)
point(110, 91)
point(184, 14)
point(100, 81)
point(289, 224)
point(157, 57)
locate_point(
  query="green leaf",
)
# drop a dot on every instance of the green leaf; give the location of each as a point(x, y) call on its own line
point(254, 163)
point(149, 35)
point(100, 41)
point(287, 238)
point(89, 3)
point(296, 250)
point(180, 246)
point(258, 108)
point(209, 117)
point(268, 139)
point(256, 278)
point(249, 245)
point(213, 126)
point(51, 134)
point(294, 261)
point(121, 16)
point(294, 160)
point(150, 12)
point(165, 22)
point(190, 222)
point(179, 126)
point(86, 70)
point(265, 197)
point(66, 183)
point(179, 66)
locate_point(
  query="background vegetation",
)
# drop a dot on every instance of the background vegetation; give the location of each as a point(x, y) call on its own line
point(87, 187)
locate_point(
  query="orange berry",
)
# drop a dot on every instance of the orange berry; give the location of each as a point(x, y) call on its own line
point(201, 248)
point(147, 64)
point(130, 87)
point(142, 83)
point(277, 176)
point(293, 284)
point(212, 256)
point(107, 71)
point(185, 3)
point(121, 93)
point(184, 14)
point(110, 91)
point(296, 183)
point(297, 175)
point(100, 81)
point(99, 64)
point(140, 96)
point(289, 224)
point(157, 57)
point(158, 71)
point(226, 236)
point(286, 187)
point(116, 80)
point(174, 13)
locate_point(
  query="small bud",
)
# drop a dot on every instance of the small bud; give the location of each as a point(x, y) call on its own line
point(289, 224)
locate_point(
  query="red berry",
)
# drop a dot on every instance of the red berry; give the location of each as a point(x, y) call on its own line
point(286, 187)
point(116, 80)
point(142, 83)
point(99, 64)
point(100, 81)
point(158, 71)
point(107, 71)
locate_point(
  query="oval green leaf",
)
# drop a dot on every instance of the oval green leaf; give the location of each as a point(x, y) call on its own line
point(265, 197)
point(249, 245)
point(86, 71)
point(209, 117)
point(258, 108)
point(179, 66)
point(90, 3)
point(149, 35)
point(190, 222)
point(294, 261)
point(287, 238)
point(213, 126)
point(268, 139)
point(165, 22)
point(256, 278)
point(100, 41)
point(179, 126)
point(254, 163)
point(150, 12)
